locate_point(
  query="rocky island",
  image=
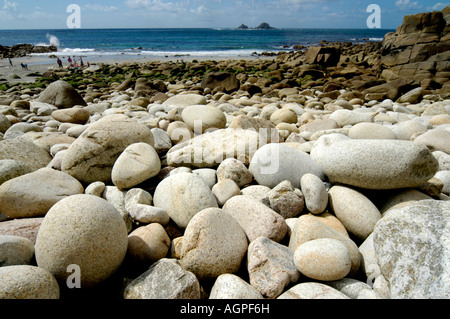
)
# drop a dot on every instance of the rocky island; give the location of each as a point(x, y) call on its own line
point(262, 26)
point(317, 173)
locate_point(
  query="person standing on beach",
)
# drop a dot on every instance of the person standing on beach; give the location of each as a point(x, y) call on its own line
point(59, 62)
point(10, 62)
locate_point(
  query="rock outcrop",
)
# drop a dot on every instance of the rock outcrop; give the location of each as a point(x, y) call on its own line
point(21, 50)
point(419, 49)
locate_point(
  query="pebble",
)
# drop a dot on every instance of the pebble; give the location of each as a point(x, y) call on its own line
point(422, 273)
point(285, 200)
point(258, 192)
point(137, 163)
point(229, 286)
point(207, 174)
point(224, 190)
point(312, 290)
point(381, 164)
point(148, 214)
point(96, 189)
point(10, 169)
point(271, 267)
point(24, 227)
point(309, 227)
point(347, 117)
point(33, 194)
point(15, 250)
point(19, 129)
point(92, 156)
point(407, 129)
point(183, 195)
point(435, 140)
point(148, 243)
point(235, 170)
point(256, 218)
point(186, 100)
point(275, 163)
point(315, 193)
point(213, 244)
point(209, 150)
point(356, 212)
point(26, 152)
point(324, 259)
point(369, 264)
point(165, 279)
point(73, 115)
point(202, 118)
point(84, 230)
point(27, 282)
point(349, 286)
point(283, 116)
point(179, 132)
point(371, 131)
point(162, 142)
point(444, 176)
point(5, 124)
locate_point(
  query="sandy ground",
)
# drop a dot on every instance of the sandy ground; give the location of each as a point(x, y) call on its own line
point(41, 64)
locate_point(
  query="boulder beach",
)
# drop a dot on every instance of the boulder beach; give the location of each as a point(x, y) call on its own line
point(318, 173)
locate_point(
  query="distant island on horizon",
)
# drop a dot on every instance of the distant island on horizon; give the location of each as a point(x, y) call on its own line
point(262, 26)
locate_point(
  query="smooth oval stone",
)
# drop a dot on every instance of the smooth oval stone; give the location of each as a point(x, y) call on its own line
point(15, 250)
point(86, 231)
point(148, 243)
point(27, 282)
point(309, 227)
point(213, 244)
point(137, 163)
point(275, 163)
point(33, 194)
point(235, 170)
point(10, 169)
point(435, 140)
point(201, 118)
point(374, 164)
point(323, 259)
point(347, 117)
point(183, 195)
point(371, 131)
point(315, 193)
point(358, 214)
point(92, 156)
point(256, 218)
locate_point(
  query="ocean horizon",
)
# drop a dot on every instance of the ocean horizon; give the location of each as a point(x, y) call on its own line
point(179, 42)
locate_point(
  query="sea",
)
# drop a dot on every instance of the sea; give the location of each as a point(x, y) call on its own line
point(212, 42)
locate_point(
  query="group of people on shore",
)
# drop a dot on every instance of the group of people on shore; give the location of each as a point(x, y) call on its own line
point(73, 63)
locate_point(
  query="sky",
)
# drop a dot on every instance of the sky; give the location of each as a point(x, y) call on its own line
point(53, 14)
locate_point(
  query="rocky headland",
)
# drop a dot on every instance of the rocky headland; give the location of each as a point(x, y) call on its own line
point(317, 173)
point(21, 50)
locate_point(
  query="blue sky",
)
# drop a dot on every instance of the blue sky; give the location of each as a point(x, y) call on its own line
point(52, 14)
